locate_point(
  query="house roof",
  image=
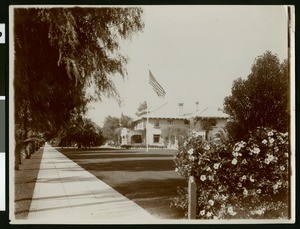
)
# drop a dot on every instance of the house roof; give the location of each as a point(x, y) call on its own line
point(165, 111)
point(210, 112)
point(169, 111)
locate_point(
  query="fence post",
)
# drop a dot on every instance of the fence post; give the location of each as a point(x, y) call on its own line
point(192, 198)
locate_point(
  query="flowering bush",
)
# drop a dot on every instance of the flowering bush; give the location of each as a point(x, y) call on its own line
point(249, 179)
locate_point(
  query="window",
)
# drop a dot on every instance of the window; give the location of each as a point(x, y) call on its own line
point(156, 124)
point(156, 138)
point(170, 121)
point(187, 122)
point(213, 122)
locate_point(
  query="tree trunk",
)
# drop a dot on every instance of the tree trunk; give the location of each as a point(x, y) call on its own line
point(18, 149)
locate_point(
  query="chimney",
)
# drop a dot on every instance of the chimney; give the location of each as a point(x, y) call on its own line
point(180, 109)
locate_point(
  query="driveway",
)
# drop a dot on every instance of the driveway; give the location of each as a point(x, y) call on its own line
point(147, 178)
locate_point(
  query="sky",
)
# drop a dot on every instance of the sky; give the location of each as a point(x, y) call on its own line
point(195, 53)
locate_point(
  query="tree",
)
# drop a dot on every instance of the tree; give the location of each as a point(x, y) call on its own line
point(172, 133)
point(126, 121)
point(111, 128)
point(260, 100)
point(202, 123)
point(77, 48)
point(81, 132)
point(142, 109)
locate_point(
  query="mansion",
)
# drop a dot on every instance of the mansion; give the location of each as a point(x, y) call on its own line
point(148, 128)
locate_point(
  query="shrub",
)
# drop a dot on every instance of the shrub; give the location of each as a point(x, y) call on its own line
point(249, 179)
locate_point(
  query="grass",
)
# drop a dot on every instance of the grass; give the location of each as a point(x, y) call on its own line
point(25, 179)
point(147, 178)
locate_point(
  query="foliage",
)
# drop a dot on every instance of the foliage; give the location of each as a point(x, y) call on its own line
point(77, 48)
point(142, 109)
point(87, 41)
point(260, 100)
point(126, 121)
point(111, 129)
point(169, 134)
point(81, 132)
point(206, 124)
point(249, 179)
point(144, 146)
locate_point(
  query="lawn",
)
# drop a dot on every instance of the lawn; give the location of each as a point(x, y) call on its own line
point(25, 179)
point(147, 178)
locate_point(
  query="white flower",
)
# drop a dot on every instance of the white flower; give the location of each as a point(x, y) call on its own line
point(251, 179)
point(275, 186)
point(176, 169)
point(271, 157)
point(216, 165)
point(235, 154)
point(211, 177)
point(240, 184)
point(282, 168)
point(202, 212)
point(223, 197)
point(271, 140)
point(208, 214)
point(192, 158)
point(245, 192)
point(234, 161)
point(258, 212)
point(237, 147)
point(202, 177)
point(270, 133)
point(256, 150)
point(243, 144)
point(206, 147)
point(230, 211)
point(264, 142)
point(192, 179)
point(286, 154)
point(244, 177)
point(208, 168)
point(276, 149)
point(258, 191)
point(285, 134)
point(244, 161)
point(190, 151)
point(211, 202)
point(267, 161)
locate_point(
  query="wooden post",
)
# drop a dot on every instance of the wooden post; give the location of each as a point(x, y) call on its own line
point(192, 198)
point(147, 130)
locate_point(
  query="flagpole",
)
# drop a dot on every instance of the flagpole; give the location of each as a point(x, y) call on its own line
point(161, 93)
point(147, 120)
point(147, 125)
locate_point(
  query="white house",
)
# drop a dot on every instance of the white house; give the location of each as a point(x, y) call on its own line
point(148, 128)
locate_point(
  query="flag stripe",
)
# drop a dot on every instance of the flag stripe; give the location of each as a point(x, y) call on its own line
point(156, 86)
point(157, 89)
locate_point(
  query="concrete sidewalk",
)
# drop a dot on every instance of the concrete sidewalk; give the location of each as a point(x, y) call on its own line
point(66, 193)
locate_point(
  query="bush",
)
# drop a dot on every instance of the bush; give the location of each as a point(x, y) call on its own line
point(143, 146)
point(126, 146)
point(249, 179)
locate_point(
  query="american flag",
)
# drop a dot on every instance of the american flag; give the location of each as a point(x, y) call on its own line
point(156, 86)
